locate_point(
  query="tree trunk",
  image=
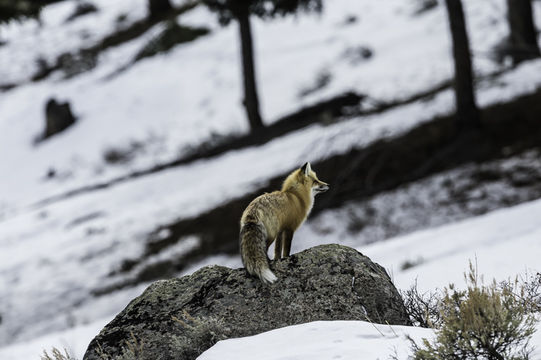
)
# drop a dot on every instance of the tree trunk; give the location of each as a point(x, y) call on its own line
point(467, 113)
point(251, 100)
point(157, 8)
point(522, 32)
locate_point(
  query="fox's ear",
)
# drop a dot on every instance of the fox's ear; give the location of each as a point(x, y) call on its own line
point(306, 168)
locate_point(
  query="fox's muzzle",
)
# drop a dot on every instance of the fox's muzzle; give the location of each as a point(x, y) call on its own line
point(322, 188)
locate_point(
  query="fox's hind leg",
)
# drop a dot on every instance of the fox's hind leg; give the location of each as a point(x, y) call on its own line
point(286, 242)
point(278, 247)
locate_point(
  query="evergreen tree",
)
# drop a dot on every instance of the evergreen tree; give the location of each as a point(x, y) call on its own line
point(240, 11)
point(158, 7)
point(522, 32)
point(467, 113)
point(19, 9)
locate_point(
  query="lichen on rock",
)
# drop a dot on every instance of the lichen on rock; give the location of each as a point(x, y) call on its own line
point(181, 318)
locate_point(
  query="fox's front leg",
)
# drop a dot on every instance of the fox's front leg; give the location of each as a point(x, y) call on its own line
point(286, 242)
point(278, 247)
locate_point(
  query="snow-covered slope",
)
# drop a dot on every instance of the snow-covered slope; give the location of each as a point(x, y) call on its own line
point(503, 244)
point(74, 340)
point(165, 105)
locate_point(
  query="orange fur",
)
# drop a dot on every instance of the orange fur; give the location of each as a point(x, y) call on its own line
point(276, 216)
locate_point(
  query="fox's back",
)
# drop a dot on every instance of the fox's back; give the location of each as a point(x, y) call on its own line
point(275, 211)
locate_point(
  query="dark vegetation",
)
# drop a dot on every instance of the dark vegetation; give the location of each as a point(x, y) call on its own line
point(493, 321)
point(422, 307)
point(424, 6)
point(158, 8)
point(82, 9)
point(172, 35)
point(322, 80)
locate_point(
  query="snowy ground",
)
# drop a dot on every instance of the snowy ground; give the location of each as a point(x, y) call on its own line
point(74, 341)
point(504, 243)
point(196, 87)
point(52, 256)
point(324, 340)
point(321, 340)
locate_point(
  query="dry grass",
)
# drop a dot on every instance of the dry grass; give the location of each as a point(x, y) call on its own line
point(56, 355)
point(493, 322)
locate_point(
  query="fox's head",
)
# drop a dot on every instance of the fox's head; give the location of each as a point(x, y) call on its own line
point(310, 179)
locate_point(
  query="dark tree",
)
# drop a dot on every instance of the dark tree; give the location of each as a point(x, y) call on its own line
point(157, 8)
point(467, 113)
point(522, 32)
point(251, 97)
point(19, 9)
point(241, 10)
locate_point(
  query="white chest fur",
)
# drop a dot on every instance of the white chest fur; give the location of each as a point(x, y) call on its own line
point(310, 205)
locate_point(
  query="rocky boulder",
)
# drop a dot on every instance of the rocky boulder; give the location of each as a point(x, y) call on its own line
point(181, 318)
point(58, 117)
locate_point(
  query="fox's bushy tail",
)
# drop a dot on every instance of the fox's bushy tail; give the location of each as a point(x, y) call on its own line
point(253, 250)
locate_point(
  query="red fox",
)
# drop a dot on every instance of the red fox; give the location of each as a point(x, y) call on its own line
point(276, 216)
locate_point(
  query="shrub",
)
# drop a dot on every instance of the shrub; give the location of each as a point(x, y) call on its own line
point(483, 322)
point(527, 290)
point(56, 355)
point(422, 308)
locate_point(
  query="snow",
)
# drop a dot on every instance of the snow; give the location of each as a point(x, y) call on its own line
point(54, 255)
point(321, 340)
point(197, 85)
point(55, 36)
point(74, 341)
point(324, 340)
point(503, 244)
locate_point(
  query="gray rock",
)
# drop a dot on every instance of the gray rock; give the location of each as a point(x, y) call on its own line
point(58, 117)
point(181, 318)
